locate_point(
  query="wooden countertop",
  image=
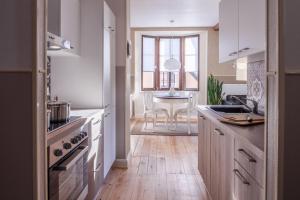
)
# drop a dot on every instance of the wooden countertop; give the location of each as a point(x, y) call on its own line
point(253, 135)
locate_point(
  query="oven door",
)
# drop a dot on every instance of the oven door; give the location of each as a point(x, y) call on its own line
point(69, 178)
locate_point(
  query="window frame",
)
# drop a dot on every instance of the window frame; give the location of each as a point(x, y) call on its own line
point(183, 64)
point(182, 80)
point(142, 64)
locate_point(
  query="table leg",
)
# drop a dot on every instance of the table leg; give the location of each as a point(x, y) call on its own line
point(171, 114)
point(189, 121)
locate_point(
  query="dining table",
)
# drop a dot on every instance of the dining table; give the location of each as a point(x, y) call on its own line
point(174, 100)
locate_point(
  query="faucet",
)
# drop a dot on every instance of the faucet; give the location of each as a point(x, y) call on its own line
point(255, 104)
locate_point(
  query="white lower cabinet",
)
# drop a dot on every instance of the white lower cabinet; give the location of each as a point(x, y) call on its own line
point(96, 155)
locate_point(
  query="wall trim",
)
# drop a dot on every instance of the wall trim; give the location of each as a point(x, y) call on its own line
point(122, 163)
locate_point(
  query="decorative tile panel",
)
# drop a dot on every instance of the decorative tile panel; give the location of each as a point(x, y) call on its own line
point(257, 82)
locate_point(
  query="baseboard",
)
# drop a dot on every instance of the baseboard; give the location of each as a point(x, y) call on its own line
point(139, 116)
point(122, 163)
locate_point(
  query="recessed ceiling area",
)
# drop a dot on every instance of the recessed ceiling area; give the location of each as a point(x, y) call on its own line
point(185, 13)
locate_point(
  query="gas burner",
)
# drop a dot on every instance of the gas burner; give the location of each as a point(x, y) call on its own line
point(55, 126)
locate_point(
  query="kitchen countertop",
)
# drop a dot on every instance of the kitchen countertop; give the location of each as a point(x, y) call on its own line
point(86, 113)
point(253, 135)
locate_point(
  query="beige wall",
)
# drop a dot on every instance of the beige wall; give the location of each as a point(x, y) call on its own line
point(209, 60)
point(224, 72)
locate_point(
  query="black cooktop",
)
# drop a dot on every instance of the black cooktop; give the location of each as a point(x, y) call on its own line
point(55, 126)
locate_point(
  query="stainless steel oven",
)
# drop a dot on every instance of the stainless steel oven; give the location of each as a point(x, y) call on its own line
point(68, 167)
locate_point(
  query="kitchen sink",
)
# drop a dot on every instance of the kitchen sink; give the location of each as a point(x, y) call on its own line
point(229, 109)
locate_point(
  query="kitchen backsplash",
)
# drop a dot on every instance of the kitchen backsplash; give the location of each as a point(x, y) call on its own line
point(257, 82)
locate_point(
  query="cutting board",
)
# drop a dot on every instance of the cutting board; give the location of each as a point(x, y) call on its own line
point(242, 119)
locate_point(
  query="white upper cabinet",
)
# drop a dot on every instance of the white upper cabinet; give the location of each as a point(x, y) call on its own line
point(252, 27)
point(109, 20)
point(242, 28)
point(228, 35)
point(64, 21)
point(70, 23)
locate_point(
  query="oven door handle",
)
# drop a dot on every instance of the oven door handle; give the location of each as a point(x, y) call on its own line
point(69, 162)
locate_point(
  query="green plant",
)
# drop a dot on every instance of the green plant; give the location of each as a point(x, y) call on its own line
point(214, 91)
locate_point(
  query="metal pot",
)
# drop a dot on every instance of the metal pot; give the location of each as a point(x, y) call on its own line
point(60, 111)
point(48, 118)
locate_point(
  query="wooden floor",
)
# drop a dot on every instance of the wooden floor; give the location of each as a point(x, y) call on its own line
point(161, 168)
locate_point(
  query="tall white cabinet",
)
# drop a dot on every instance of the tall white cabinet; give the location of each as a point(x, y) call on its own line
point(109, 89)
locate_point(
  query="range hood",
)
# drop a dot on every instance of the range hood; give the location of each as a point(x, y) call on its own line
point(56, 43)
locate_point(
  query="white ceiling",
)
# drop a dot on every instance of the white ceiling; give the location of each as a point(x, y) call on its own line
point(185, 13)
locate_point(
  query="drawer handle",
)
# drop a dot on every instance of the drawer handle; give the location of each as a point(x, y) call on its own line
point(241, 177)
point(98, 167)
point(202, 117)
point(247, 155)
point(219, 132)
point(98, 137)
point(97, 122)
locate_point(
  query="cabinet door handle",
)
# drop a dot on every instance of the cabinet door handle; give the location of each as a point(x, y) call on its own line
point(233, 53)
point(244, 49)
point(247, 155)
point(202, 117)
point(106, 106)
point(219, 132)
point(42, 71)
point(107, 115)
point(241, 177)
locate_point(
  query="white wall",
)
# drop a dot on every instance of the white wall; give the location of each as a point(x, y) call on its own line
point(79, 79)
point(138, 94)
point(234, 89)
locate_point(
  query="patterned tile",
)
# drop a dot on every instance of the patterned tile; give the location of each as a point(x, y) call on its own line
point(257, 82)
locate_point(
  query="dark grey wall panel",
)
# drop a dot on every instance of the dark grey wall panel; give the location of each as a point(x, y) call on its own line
point(291, 147)
point(16, 34)
point(16, 130)
point(291, 34)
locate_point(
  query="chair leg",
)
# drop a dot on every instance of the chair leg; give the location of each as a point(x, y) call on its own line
point(166, 122)
point(145, 118)
point(176, 122)
point(189, 122)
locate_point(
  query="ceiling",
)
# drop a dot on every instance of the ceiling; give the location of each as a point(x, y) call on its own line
point(185, 13)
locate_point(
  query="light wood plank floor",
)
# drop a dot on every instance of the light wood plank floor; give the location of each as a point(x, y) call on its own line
point(161, 168)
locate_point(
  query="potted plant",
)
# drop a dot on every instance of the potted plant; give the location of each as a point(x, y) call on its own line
point(214, 91)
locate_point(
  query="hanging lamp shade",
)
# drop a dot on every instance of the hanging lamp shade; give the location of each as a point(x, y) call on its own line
point(172, 65)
